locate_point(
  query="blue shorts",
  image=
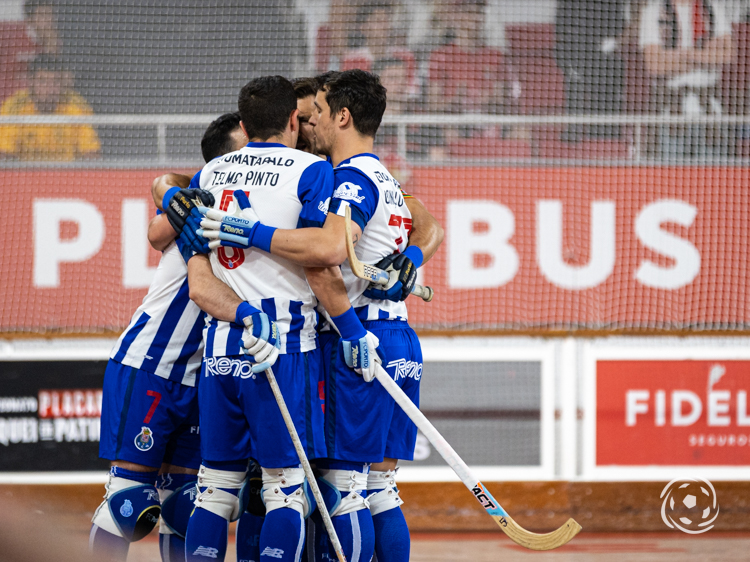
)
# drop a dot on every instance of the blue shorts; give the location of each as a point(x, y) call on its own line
point(363, 423)
point(240, 417)
point(148, 420)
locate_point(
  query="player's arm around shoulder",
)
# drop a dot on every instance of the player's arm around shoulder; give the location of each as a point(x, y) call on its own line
point(426, 230)
point(160, 232)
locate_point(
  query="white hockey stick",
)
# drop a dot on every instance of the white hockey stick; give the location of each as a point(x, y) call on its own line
point(517, 534)
point(370, 272)
point(305, 465)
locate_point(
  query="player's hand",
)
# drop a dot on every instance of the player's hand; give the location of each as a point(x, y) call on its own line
point(402, 276)
point(260, 338)
point(223, 229)
point(363, 355)
point(182, 204)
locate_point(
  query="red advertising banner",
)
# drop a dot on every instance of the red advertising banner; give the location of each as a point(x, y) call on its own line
point(669, 413)
point(525, 248)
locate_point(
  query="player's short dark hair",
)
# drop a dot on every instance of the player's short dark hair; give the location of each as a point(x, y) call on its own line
point(304, 87)
point(321, 79)
point(265, 106)
point(217, 140)
point(362, 94)
point(47, 62)
point(31, 6)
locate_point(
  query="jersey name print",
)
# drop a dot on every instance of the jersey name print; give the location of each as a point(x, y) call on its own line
point(377, 204)
point(288, 189)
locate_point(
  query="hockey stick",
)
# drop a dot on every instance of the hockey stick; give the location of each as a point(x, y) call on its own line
point(517, 534)
point(305, 465)
point(370, 272)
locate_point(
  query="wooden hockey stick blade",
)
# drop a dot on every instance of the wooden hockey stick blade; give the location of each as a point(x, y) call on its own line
point(327, 523)
point(516, 533)
point(370, 272)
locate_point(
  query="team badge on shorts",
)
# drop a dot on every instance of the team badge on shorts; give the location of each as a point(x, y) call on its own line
point(126, 510)
point(144, 440)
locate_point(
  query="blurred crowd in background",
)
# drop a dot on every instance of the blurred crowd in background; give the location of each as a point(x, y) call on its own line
point(469, 57)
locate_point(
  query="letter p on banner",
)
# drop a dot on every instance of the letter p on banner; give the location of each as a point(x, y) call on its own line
point(50, 249)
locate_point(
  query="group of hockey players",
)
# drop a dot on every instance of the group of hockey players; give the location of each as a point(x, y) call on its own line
point(253, 276)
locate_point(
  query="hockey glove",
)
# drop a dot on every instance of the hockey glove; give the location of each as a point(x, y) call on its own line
point(402, 269)
point(242, 230)
point(359, 347)
point(178, 205)
point(260, 339)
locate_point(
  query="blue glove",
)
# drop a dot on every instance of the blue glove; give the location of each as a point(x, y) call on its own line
point(242, 230)
point(402, 269)
point(359, 347)
point(260, 339)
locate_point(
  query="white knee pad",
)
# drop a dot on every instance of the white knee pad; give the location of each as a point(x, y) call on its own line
point(217, 501)
point(342, 491)
point(274, 479)
point(387, 498)
point(136, 510)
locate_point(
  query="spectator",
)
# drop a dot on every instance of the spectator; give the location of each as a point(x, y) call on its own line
point(38, 35)
point(394, 76)
point(685, 43)
point(47, 94)
point(588, 51)
point(374, 39)
point(466, 75)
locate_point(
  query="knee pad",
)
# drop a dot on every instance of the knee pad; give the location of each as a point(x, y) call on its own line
point(176, 507)
point(251, 494)
point(287, 487)
point(387, 497)
point(130, 509)
point(341, 491)
point(214, 497)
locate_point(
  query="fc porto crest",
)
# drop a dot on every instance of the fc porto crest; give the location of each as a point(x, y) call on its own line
point(126, 510)
point(144, 440)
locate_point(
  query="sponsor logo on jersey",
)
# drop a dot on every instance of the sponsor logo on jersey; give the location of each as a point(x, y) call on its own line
point(347, 191)
point(206, 551)
point(323, 205)
point(273, 552)
point(126, 509)
point(144, 440)
point(221, 366)
point(406, 369)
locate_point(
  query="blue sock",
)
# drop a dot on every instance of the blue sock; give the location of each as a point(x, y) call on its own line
point(283, 535)
point(171, 548)
point(206, 537)
point(107, 547)
point(356, 534)
point(392, 540)
point(248, 536)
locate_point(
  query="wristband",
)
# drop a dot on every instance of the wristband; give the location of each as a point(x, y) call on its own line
point(262, 237)
point(168, 195)
point(243, 311)
point(415, 255)
point(349, 325)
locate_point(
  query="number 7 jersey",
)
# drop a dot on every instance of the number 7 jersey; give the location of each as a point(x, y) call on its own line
point(377, 204)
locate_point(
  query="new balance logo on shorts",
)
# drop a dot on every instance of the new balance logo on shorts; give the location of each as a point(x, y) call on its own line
point(404, 369)
point(206, 551)
point(219, 366)
point(273, 552)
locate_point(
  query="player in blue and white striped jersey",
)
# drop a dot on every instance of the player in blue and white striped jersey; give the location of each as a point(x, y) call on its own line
point(150, 407)
point(362, 424)
point(239, 414)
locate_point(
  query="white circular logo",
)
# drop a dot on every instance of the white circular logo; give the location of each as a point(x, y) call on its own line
point(690, 505)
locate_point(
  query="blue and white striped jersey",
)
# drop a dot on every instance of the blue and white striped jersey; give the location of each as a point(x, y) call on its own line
point(377, 203)
point(165, 335)
point(288, 189)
